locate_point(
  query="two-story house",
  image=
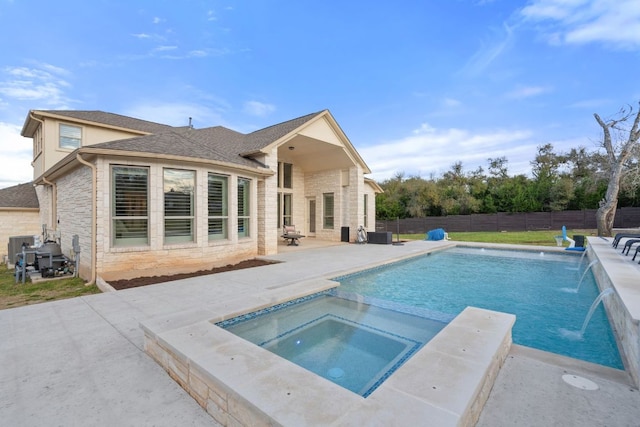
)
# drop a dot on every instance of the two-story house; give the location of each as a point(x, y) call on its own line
point(148, 199)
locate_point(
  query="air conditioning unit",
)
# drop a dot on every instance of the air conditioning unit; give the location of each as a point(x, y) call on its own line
point(15, 246)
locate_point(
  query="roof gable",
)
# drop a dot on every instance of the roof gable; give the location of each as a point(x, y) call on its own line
point(261, 138)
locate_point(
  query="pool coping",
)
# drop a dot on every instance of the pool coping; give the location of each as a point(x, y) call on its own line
point(233, 399)
point(238, 383)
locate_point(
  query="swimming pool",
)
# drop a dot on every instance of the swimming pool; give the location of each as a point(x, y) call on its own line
point(352, 344)
point(539, 288)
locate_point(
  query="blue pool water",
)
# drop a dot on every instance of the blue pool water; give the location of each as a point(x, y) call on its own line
point(353, 344)
point(539, 288)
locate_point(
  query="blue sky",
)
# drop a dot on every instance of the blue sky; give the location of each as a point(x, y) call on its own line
point(415, 85)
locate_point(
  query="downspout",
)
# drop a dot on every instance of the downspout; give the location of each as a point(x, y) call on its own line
point(93, 217)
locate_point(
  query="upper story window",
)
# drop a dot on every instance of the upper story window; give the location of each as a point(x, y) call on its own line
point(70, 137)
point(285, 175)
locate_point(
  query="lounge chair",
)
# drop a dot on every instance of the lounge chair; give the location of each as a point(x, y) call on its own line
point(628, 244)
point(290, 234)
point(619, 236)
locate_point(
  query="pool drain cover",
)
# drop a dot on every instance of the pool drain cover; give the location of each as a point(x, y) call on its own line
point(580, 382)
point(335, 373)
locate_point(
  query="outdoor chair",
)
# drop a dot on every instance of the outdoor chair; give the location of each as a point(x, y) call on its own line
point(628, 244)
point(291, 235)
point(619, 236)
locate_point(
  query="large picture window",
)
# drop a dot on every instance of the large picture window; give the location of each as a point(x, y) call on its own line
point(179, 186)
point(129, 205)
point(70, 137)
point(328, 209)
point(217, 187)
point(244, 198)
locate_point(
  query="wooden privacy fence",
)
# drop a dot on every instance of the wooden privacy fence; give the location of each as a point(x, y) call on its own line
point(584, 219)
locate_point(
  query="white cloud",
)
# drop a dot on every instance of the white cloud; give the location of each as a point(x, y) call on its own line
point(430, 150)
point(527, 92)
point(489, 51)
point(260, 109)
point(141, 36)
point(32, 84)
point(211, 16)
point(612, 22)
point(451, 103)
point(15, 162)
point(157, 20)
point(165, 48)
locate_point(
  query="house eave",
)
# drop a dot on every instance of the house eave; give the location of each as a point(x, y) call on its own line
point(70, 161)
point(28, 129)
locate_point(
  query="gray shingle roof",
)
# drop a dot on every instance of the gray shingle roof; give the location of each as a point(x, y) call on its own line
point(111, 119)
point(217, 143)
point(214, 143)
point(19, 196)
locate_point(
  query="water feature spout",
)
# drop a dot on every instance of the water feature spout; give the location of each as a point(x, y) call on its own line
point(593, 307)
point(591, 264)
point(581, 259)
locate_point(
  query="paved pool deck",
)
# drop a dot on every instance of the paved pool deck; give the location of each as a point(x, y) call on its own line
point(81, 361)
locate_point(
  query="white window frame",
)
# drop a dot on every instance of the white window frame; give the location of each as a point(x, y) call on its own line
point(218, 217)
point(129, 216)
point(181, 185)
point(243, 195)
point(366, 211)
point(70, 137)
point(328, 211)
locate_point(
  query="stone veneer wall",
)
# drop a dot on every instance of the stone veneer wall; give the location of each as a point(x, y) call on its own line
point(268, 209)
point(156, 258)
point(316, 185)
point(17, 222)
point(627, 329)
point(74, 215)
point(232, 379)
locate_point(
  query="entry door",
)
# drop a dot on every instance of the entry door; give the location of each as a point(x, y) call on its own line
point(312, 217)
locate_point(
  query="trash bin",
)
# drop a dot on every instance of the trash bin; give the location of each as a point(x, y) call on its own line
point(344, 234)
point(579, 240)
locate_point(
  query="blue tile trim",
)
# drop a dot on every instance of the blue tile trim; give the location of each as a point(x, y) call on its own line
point(414, 345)
point(250, 316)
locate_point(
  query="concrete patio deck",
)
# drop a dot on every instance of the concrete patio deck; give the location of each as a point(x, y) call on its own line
point(81, 361)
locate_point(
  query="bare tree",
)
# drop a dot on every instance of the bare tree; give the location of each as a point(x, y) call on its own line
point(618, 154)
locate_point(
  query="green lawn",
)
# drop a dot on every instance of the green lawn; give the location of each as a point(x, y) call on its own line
point(542, 238)
point(14, 294)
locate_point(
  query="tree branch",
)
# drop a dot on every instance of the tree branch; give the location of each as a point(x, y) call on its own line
point(607, 138)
